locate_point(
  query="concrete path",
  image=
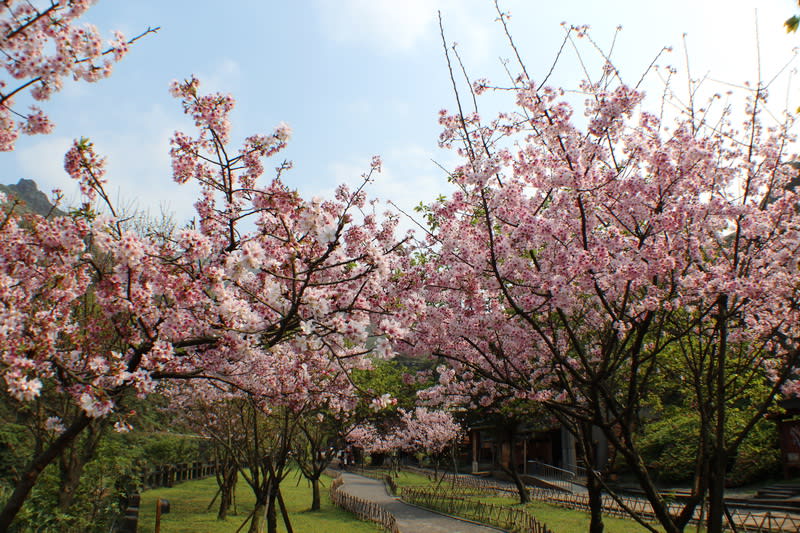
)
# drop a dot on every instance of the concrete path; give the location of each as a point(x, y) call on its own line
point(410, 519)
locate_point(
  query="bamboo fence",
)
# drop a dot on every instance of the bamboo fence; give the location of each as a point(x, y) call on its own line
point(501, 516)
point(744, 520)
point(363, 509)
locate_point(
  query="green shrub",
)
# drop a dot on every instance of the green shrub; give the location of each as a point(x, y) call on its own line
point(114, 472)
point(669, 446)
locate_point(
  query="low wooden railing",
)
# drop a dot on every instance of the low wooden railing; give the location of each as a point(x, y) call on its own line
point(745, 520)
point(363, 509)
point(168, 475)
point(163, 476)
point(501, 516)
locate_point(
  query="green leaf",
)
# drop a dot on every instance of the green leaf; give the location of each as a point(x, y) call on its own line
point(792, 24)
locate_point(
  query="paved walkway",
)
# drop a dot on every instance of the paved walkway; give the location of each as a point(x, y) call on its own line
point(410, 519)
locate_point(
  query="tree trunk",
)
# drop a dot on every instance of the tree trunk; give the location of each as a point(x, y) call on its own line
point(524, 497)
point(701, 474)
point(258, 515)
point(72, 461)
point(593, 485)
point(229, 479)
point(315, 499)
point(29, 477)
point(284, 512)
point(719, 463)
point(594, 488)
point(716, 492)
point(510, 468)
point(272, 512)
point(69, 479)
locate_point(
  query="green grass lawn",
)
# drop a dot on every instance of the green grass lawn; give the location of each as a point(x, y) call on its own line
point(562, 520)
point(407, 479)
point(189, 500)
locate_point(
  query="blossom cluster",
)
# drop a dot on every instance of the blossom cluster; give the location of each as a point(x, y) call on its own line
point(283, 309)
point(42, 44)
point(420, 430)
point(563, 245)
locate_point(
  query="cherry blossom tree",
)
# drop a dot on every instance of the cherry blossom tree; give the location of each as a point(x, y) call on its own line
point(429, 432)
point(41, 44)
point(577, 253)
point(257, 437)
point(200, 303)
point(319, 439)
point(371, 440)
point(487, 402)
point(214, 413)
point(91, 309)
point(277, 405)
point(322, 429)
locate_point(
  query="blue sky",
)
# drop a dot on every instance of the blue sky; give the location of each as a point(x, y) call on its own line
point(356, 78)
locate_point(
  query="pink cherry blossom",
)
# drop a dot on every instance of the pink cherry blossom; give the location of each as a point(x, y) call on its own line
point(42, 43)
point(270, 293)
point(577, 256)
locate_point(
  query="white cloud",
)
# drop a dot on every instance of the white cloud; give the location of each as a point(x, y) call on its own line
point(388, 24)
point(392, 26)
point(43, 162)
point(138, 168)
point(140, 174)
point(224, 77)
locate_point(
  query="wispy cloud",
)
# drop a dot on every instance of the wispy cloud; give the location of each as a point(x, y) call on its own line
point(137, 162)
point(223, 77)
point(395, 27)
point(390, 25)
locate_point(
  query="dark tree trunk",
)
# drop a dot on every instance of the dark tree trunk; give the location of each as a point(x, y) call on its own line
point(69, 479)
point(510, 468)
point(524, 497)
point(315, 499)
point(258, 515)
point(284, 512)
point(716, 492)
point(701, 474)
point(719, 462)
point(594, 488)
point(73, 460)
point(593, 485)
point(229, 478)
point(272, 512)
point(31, 474)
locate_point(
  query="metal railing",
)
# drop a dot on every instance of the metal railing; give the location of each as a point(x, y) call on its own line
point(538, 468)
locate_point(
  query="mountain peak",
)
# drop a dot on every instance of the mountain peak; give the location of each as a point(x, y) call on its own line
point(27, 191)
